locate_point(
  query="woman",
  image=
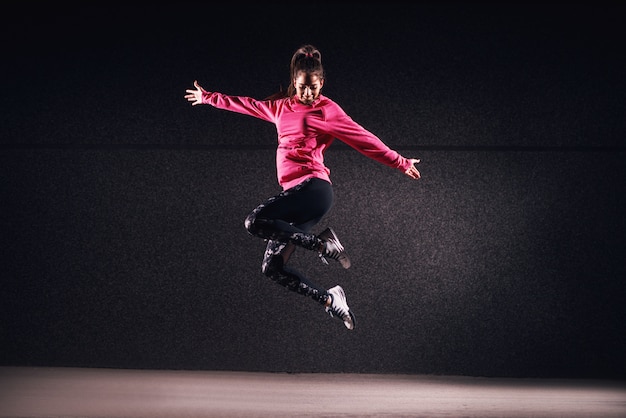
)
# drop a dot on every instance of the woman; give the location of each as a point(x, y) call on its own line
point(307, 123)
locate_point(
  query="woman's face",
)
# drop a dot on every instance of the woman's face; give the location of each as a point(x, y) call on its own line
point(308, 87)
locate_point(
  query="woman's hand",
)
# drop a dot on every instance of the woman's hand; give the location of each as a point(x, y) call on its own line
point(195, 96)
point(413, 171)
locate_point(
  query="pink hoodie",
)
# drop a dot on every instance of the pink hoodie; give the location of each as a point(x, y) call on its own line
point(305, 132)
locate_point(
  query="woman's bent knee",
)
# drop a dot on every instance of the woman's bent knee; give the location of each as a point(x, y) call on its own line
point(249, 224)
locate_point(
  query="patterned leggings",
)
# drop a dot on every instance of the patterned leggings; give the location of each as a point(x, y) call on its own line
point(284, 221)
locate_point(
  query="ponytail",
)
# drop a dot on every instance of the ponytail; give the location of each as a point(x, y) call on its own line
point(307, 59)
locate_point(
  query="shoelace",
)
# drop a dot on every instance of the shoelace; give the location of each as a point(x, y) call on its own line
point(335, 249)
point(340, 312)
point(337, 310)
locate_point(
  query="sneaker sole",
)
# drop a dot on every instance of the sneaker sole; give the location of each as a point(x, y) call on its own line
point(353, 321)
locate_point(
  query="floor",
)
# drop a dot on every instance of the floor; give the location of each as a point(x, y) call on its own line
point(98, 393)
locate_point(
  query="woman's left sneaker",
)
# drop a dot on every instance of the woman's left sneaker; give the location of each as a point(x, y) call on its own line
point(339, 307)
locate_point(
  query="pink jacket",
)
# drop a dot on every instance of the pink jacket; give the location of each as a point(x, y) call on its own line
point(305, 132)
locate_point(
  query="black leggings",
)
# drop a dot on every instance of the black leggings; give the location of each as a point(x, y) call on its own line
point(284, 221)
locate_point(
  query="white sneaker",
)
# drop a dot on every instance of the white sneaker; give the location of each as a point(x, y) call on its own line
point(333, 248)
point(339, 307)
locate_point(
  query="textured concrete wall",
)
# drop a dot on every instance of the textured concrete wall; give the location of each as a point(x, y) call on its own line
point(122, 206)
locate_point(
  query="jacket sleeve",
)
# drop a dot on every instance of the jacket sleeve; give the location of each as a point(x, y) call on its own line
point(245, 105)
point(348, 131)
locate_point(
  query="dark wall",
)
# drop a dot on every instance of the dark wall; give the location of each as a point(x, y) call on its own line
point(122, 236)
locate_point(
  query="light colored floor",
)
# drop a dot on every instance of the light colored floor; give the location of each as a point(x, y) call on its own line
point(99, 393)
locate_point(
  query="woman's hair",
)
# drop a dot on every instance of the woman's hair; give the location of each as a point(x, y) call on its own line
point(307, 59)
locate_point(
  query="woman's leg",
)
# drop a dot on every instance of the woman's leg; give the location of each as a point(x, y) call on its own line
point(288, 216)
point(274, 266)
point(334, 300)
point(285, 221)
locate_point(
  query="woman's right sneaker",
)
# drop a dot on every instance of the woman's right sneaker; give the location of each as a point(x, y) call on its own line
point(332, 248)
point(339, 307)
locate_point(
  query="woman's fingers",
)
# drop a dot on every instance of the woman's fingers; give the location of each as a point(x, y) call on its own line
point(412, 171)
